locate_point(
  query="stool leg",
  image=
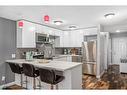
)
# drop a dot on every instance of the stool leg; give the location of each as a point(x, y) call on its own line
point(51, 86)
point(21, 80)
point(34, 83)
point(56, 86)
point(39, 84)
point(26, 82)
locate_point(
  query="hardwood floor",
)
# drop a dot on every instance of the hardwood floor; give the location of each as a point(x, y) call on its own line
point(111, 79)
point(13, 87)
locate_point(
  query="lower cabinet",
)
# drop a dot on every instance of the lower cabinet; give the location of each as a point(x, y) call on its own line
point(68, 58)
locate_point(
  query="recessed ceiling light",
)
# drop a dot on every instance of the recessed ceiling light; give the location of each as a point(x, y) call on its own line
point(72, 27)
point(58, 22)
point(117, 30)
point(109, 15)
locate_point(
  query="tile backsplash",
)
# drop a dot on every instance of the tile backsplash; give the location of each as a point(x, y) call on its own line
point(20, 52)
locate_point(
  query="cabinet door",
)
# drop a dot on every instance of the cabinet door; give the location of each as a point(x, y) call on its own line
point(90, 31)
point(57, 32)
point(66, 39)
point(69, 58)
point(48, 30)
point(28, 35)
point(78, 38)
point(39, 28)
point(62, 39)
point(73, 38)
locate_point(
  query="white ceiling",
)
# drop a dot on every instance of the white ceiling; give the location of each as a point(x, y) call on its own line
point(81, 16)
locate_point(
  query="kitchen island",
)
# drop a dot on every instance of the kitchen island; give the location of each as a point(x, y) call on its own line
point(72, 71)
point(68, 58)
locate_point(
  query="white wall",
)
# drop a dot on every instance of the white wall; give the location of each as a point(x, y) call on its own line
point(109, 50)
point(113, 28)
point(119, 47)
point(101, 51)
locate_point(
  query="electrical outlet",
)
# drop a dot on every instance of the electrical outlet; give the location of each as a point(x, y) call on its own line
point(13, 56)
point(3, 78)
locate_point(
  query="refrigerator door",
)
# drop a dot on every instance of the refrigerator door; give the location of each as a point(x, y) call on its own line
point(89, 51)
point(89, 57)
point(89, 68)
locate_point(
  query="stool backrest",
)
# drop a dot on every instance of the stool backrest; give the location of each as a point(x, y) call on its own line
point(28, 70)
point(47, 75)
point(15, 68)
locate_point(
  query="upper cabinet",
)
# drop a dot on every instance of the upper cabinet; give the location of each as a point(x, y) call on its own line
point(26, 35)
point(72, 38)
point(66, 39)
point(90, 31)
point(75, 38)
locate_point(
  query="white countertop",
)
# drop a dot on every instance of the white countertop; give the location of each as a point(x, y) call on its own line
point(58, 65)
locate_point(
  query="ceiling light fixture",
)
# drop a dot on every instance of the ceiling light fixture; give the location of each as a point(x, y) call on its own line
point(72, 27)
point(109, 15)
point(117, 30)
point(58, 22)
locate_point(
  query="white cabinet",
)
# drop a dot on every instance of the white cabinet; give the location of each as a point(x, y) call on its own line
point(66, 38)
point(68, 58)
point(90, 31)
point(72, 38)
point(26, 35)
point(76, 38)
point(61, 39)
point(40, 29)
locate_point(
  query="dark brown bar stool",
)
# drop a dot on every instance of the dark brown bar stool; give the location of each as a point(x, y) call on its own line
point(15, 68)
point(49, 76)
point(30, 71)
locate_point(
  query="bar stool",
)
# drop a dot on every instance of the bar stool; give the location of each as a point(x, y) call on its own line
point(49, 76)
point(15, 68)
point(30, 71)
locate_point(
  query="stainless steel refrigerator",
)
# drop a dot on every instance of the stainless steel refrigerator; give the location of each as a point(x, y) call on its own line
point(89, 57)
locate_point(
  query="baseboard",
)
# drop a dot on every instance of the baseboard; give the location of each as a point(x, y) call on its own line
point(99, 76)
point(102, 73)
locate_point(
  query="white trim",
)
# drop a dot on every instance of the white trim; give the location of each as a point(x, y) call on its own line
point(98, 53)
point(102, 73)
point(99, 76)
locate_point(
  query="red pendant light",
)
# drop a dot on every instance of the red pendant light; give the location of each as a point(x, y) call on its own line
point(46, 18)
point(20, 24)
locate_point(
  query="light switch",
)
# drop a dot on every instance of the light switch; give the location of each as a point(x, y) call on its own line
point(13, 56)
point(3, 78)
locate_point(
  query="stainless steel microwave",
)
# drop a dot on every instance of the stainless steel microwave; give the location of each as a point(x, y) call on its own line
point(42, 38)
